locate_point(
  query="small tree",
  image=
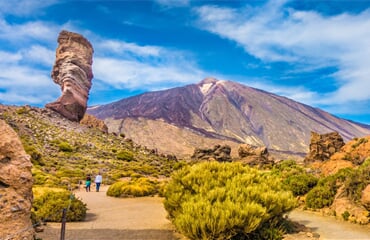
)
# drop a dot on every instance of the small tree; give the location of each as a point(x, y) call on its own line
point(214, 200)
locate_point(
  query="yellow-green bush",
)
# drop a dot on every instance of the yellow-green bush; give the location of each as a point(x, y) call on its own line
point(300, 184)
point(294, 177)
point(65, 147)
point(357, 180)
point(125, 155)
point(214, 200)
point(48, 205)
point(134, 188)
point(320, 196)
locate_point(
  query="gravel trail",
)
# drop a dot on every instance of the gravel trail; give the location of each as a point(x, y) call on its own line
point(329, 228)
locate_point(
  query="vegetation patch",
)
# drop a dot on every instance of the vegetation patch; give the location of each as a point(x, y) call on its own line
point(136, 187)
point(49, 203)
point(295, 178)
point(214, 200)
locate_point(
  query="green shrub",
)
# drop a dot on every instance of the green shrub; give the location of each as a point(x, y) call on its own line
point(135, 188)
point(214, 200)
point(65, 147)
point(345, 215)
point(125, 155)
point(48, 206)
point(300, 184)
point(320, 196)
point(359, 142)
point(287, 168)
point(357, 180)
point(36, 156)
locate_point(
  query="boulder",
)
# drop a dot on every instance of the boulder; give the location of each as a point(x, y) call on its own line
point(15, 187)
point(254, 156)
point(323, 146)
point(73, 72)
point(93, 122)
point(218, 153)
point(365, 197)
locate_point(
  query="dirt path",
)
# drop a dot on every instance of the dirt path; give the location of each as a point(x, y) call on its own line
point(116, 218)
point(330, 228)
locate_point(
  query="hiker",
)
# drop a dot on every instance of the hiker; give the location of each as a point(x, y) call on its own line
point(88, 183)
point(98, 180)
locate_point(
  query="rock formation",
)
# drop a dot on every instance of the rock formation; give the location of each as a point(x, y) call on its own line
point(218, 153)
point(365, 197)
point(73, 72)
point(15, 187)
point(323, 146)
point(254, 156)
point(93, 122)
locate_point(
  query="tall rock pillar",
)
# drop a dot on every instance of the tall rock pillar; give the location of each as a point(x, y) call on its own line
point(15, 187)
point(73, 72)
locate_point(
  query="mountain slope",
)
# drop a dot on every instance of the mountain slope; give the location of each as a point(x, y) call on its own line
point(218, 111)
point(63, 152)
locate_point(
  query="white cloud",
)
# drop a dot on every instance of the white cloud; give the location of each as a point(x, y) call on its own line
point(26, 85)
point(123, 48)
point(127, 74)
point(24, 7)
point(173, 3)
point(131, 66)
point(275, 33)
point(39, 54)
point(26, 32)
point(8, 57)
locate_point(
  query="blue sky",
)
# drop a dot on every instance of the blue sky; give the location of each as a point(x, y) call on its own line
point(315, 52)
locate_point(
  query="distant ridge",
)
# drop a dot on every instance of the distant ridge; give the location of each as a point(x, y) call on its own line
point(213, 111)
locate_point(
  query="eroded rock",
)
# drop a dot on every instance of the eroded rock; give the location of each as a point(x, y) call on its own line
point(365, 197)
point(218, 153)
point(254, 156)
point(93, 122)
point(73, 72)
point(323, 146)
point(15, 187)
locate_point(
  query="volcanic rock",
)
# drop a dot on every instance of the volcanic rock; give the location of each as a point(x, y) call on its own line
point(93, 122)
point(323, 146)
point(365, 197)
point(73, 72)
point(15, 187)
point(254, 156)
point(218, 153)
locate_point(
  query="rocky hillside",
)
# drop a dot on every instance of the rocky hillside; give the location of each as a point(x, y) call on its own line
point(220, 112)
point(63, 152)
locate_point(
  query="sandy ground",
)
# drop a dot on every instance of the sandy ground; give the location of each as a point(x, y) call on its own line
point(329, 228)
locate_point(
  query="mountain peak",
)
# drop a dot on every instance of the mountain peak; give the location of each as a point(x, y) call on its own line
point(208, 80)
point(206, 84)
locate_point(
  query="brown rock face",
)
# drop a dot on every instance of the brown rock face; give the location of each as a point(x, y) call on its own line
point(323, 146)
point(73, 72)
point(218, 153)
point(254, 155)
point(93, 122)
point(15, 187)
point(365, 197)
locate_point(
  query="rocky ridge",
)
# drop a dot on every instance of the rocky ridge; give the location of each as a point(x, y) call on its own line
point(64, 151)
point(73, 72)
